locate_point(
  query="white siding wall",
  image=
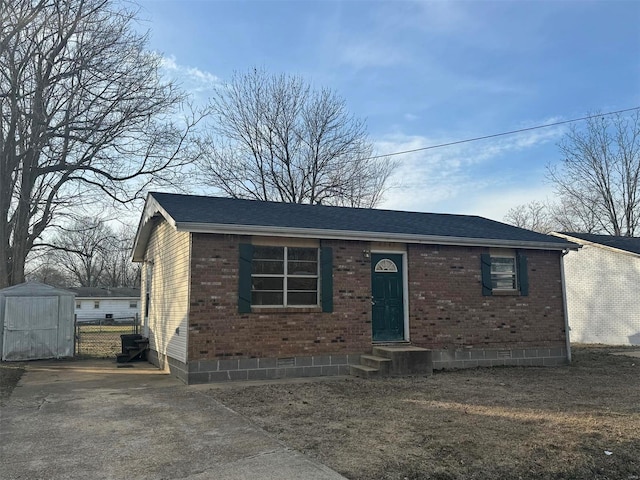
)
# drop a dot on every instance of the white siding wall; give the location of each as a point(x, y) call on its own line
point(169, 304)
point(118, 307)
point(603, 296)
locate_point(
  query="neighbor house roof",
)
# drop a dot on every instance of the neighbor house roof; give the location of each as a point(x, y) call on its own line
point(627, 244)
point(35, 289)
point(99, 292)
point(194, 213)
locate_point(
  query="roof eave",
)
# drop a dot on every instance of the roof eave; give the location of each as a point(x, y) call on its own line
point(152, 209)
point(584, 242)
point(366, 236)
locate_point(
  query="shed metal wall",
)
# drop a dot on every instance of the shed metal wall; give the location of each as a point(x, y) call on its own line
point(36, 322)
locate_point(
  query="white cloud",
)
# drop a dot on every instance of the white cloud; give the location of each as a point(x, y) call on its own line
point(476, 178)
point(168, 63)
point(200, 75)
point(194, 80)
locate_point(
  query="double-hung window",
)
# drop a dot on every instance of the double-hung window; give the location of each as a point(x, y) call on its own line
point(504, 272)
point(284, 276)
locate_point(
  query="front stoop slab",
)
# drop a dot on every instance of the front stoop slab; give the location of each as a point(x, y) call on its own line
point(407, 359)
point(363, 371)
point(383, 364)
point(395, 361)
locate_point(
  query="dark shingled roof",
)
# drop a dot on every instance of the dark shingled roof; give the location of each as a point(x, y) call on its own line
point(629, 244)
point(118, 292)
point(191, 209)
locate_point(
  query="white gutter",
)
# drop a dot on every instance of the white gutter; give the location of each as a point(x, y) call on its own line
point(567, 329)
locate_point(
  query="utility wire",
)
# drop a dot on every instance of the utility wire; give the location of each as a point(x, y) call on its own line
point(503, 133)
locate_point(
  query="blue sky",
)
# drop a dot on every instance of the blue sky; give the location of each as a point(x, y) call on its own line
point(426, 73)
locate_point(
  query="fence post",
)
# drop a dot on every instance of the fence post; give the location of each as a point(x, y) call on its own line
point(75, 334)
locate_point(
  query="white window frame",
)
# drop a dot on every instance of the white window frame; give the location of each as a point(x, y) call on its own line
point(285, 276)
point(513, 275)
point(133, 304)
point(78, 304)
point(96, 304)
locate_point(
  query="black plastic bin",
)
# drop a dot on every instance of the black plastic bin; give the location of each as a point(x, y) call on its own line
point(129, 340)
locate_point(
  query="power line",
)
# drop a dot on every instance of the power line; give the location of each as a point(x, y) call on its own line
point(537, 127)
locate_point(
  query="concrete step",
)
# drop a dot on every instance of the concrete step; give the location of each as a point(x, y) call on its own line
point(406, 359)
point(363, 371)
point(380, 363)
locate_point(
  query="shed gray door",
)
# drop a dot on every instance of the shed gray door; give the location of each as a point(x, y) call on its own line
point(31, 328)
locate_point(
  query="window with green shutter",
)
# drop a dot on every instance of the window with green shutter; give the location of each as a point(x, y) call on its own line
point(504, 271)
point(275, 276)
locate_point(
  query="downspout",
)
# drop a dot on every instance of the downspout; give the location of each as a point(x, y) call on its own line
point(564, 304)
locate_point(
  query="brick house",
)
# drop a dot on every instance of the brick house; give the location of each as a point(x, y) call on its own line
point(602, 289)
point(242, 289)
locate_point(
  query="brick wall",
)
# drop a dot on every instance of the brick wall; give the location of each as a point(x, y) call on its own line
point(448, 311)
point(218, 331)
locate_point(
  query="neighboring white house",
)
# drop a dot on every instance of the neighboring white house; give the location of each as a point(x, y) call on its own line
point(110, 304)
point(603, 289)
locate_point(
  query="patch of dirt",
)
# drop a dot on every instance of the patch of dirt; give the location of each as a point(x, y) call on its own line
point(572, 422)
point(10, 374)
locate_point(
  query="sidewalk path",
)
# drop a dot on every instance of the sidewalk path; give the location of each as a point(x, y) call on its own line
point(90, 419)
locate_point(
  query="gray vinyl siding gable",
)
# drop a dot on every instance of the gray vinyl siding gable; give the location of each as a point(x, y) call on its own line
point(169, 251)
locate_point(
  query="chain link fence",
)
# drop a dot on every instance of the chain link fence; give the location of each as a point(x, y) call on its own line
point(100, 337)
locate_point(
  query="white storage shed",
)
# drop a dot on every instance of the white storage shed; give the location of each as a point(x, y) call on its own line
point(36, 322)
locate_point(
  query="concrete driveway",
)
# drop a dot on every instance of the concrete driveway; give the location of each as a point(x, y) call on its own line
point(90, 419)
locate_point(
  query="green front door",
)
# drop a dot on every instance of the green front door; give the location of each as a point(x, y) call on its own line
point(386, 297)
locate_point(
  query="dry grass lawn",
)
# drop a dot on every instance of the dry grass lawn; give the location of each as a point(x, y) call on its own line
point(574, 422)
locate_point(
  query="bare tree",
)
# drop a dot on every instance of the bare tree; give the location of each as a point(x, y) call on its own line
point(50, 274)
point(119, 270)
point(275, 138)
point(597, 181)
point(87, 253)
point(83, 251)
point(83, 111)
point(571, 216)
point(534, 216)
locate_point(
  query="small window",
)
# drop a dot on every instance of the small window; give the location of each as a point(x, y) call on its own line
point(96, 304)
point(386, 265)
point(78, 304)
point(284, 276)
point(503, 273)
point(133, 304)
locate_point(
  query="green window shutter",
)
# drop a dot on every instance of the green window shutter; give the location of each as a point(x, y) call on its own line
point(485, 260)
point(523, 274)
point(326, 278)
point(244, 278)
